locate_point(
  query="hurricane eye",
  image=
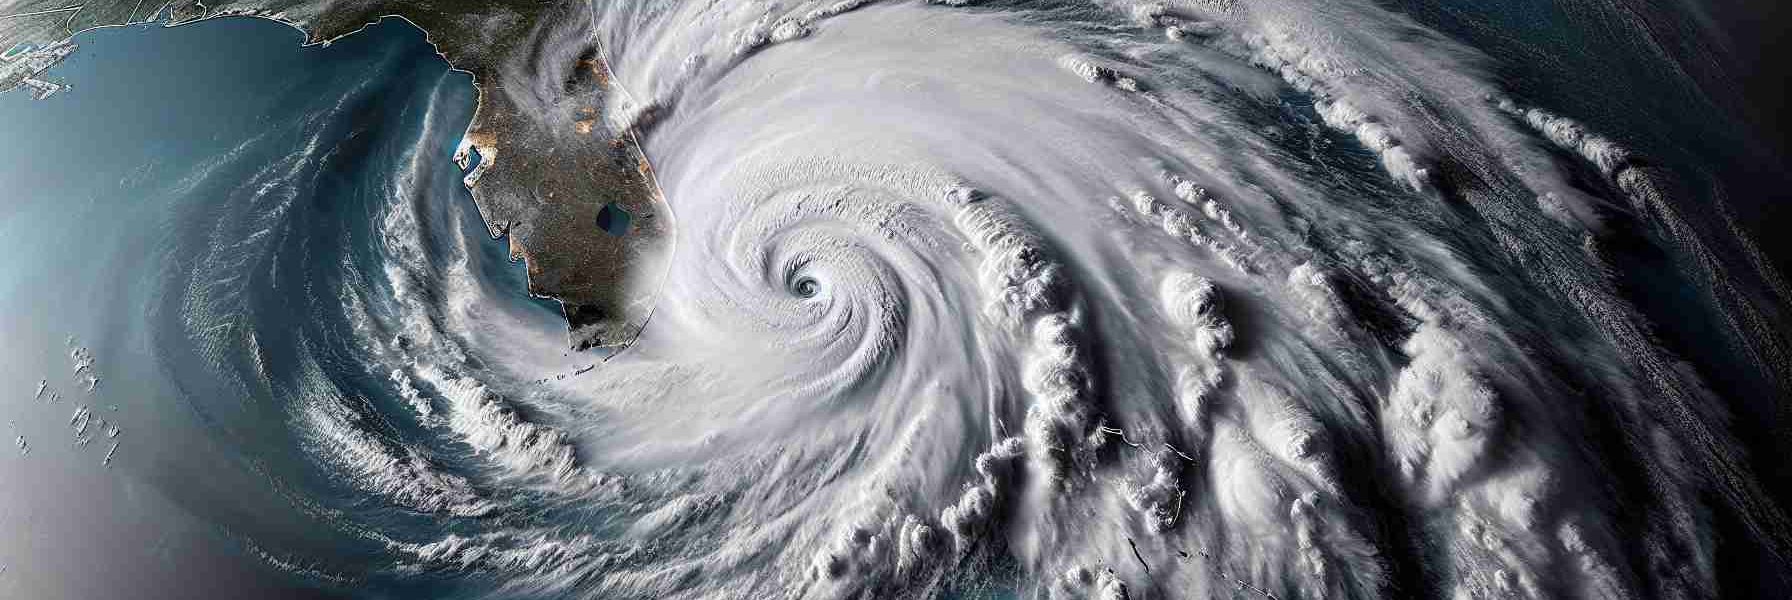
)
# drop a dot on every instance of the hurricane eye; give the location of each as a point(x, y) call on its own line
point(806, 287)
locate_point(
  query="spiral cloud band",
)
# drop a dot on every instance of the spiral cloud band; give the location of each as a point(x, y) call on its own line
point(1112, 299)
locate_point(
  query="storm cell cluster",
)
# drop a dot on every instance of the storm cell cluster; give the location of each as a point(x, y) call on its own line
point(1063, 298)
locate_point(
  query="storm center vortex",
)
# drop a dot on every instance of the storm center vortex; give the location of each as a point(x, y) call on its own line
point(1123, 299)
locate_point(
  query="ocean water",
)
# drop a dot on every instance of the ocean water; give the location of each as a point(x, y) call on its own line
point(189, 218)
point(1046, 299)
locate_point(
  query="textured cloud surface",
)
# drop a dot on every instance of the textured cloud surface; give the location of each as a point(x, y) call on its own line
point(1108, 300)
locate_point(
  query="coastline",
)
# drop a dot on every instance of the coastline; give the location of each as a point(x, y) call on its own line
point(599, 284)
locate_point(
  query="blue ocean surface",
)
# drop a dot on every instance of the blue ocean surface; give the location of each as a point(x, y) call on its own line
point(185, 221)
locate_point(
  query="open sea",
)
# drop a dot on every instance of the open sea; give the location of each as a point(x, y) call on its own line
point(197, 189)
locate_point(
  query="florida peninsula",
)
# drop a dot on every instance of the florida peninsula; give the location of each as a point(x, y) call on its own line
point(553, 155)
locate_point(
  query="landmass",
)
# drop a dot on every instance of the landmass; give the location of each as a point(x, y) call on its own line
point(556, 163)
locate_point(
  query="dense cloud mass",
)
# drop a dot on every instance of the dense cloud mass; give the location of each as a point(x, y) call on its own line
point(1090, 300)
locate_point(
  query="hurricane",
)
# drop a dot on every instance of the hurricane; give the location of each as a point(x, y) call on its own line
point(1059, 299)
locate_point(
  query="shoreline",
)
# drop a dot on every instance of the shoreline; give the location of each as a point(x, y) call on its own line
point(619, 321)
point(309, 40)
